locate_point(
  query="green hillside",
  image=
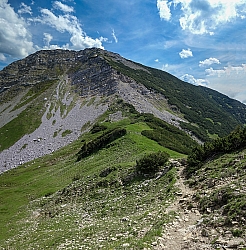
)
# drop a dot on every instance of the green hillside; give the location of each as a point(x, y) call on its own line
point(111, 198)
point(71, 198)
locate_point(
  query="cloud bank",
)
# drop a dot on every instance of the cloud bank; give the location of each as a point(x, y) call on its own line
point(15, 38)
point(229, 80)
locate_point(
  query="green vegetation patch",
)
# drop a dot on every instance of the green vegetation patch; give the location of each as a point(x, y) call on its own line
point(28, 120)
point(168, 135)
point(34, 92)
point(66, 132)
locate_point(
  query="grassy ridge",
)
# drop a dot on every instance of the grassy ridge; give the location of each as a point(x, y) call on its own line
point(43, 177)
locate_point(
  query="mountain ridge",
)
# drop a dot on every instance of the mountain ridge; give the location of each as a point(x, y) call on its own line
point(98, 151)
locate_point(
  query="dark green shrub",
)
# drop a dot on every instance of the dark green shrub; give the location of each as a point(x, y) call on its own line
point(237, 232)
point(151, 163)
point(100, 142)
point(234, 141)
point(167, 135)
point(97, 128)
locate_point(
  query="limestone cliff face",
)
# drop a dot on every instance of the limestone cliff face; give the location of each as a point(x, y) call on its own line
point(40, 66)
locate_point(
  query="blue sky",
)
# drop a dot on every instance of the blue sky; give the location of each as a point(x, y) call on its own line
point(199, 41)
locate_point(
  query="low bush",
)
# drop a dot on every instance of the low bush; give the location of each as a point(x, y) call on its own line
point(151, 163)
point(167, 135)
point(234, 141)
point(97, 128)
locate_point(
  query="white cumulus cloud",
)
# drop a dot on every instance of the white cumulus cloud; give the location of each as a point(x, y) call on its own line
point(2, 57)
point(185, 53)
point(188, 78)
point(25, 9)
point(15, 39)
point(63, 7)
point(203, 16)
point(209, 61)
point(191, 79)
point(69, 23)
point(47, 38)
point(164, 9)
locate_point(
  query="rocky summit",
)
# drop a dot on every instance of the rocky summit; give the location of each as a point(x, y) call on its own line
point(99, 152)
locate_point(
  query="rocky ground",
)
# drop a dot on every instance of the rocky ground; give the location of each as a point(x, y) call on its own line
point(182, 232)
point(188, 230)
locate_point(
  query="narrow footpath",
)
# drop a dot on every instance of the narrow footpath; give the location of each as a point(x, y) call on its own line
point(184, 232)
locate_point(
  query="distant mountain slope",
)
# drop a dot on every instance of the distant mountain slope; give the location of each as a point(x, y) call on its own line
point(211, 111)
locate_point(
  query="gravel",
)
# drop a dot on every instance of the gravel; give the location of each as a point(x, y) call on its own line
point(142, 99)
point(42, 141)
